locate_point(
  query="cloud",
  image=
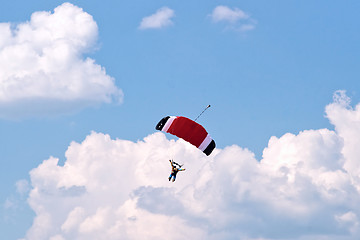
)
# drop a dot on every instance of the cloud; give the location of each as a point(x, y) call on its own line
point(160, 19)
point(235, 19)
point(22, 186)
point(16, 203)
point(42, 65)
point(305, 187)
point(224, 13)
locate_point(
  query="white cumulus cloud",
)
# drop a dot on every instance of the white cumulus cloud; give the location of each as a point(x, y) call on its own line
point(305, 187)
point(224, 13)
point(43, 68)
point(236, 18)
point(160, 19)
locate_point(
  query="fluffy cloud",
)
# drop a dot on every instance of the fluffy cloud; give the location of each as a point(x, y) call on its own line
point(224, 13)
point(305, 187)
point(42, 68)
point(160, 19)
point(235, 18)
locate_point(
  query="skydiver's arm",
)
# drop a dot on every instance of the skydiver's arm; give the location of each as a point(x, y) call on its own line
point(182, 169)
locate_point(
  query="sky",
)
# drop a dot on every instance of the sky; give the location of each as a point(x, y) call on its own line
point(83, 84)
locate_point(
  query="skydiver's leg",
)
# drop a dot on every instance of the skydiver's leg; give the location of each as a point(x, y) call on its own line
point(170, 177)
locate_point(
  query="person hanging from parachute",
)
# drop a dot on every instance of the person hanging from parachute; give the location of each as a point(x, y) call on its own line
point(190, 131)
point(175, 168)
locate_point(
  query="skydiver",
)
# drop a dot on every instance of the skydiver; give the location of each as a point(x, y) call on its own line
point(174, 170)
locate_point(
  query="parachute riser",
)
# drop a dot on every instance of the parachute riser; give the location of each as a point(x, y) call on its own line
point(202, 112)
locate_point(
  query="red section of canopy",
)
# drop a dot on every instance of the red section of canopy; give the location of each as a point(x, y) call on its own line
point(188, 130)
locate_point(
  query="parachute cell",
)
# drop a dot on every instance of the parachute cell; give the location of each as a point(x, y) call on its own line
point(188, 130)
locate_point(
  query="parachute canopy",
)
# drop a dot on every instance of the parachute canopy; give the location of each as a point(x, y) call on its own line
point(188, 130)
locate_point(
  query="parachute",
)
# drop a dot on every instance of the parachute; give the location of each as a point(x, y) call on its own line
point(188, 130)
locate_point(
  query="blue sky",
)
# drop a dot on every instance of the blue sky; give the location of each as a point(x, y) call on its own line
point(268, 68)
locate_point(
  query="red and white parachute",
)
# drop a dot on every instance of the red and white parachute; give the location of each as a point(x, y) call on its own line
point(188, 130)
